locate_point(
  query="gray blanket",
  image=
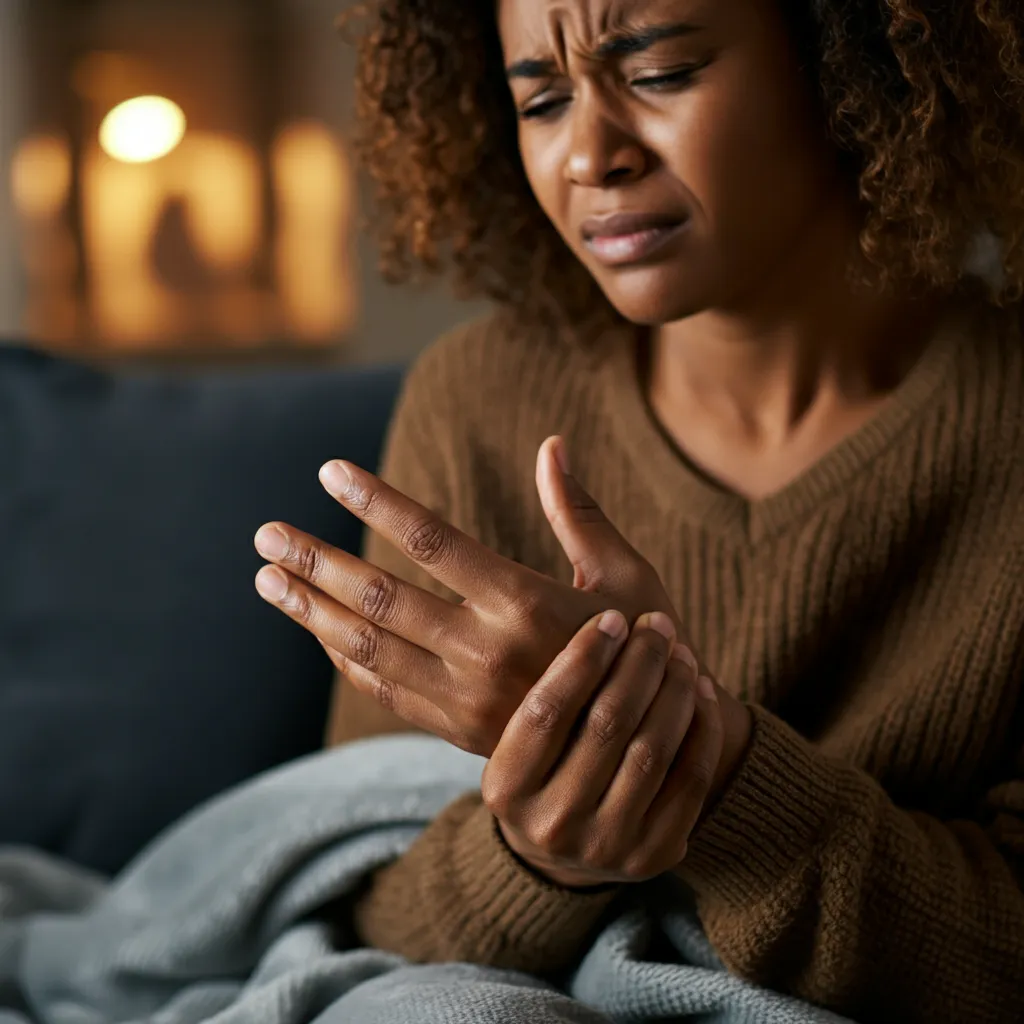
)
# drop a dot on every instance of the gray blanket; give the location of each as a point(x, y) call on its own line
point(223, 920)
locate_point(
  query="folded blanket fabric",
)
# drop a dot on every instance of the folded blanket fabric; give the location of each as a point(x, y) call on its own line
point(218, 921)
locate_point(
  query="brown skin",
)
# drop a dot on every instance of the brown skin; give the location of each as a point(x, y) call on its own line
point(620, 803)
point(463, 672)
point(764, 356)
point(925, 100)
point(716, 125)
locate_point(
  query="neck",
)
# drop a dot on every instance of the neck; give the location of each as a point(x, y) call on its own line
point(801, 343)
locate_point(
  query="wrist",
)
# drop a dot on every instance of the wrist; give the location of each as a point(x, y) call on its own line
point(549, 873)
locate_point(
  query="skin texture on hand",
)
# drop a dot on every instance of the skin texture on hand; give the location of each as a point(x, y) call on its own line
point(604, 769)
point(463, 671)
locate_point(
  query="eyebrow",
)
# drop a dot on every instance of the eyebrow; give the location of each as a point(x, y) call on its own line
point(623, 45)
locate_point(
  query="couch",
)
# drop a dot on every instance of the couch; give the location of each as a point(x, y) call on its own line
point(140, 673)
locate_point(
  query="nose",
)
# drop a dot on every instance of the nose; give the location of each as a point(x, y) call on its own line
point(604, 151)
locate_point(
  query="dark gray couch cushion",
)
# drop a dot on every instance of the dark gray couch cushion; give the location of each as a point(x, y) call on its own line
point(139, 671)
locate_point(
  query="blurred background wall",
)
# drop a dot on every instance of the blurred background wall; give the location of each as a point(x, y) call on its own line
point(12, 105)
point(176, 185)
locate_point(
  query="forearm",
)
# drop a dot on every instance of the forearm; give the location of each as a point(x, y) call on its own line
point(811, 881)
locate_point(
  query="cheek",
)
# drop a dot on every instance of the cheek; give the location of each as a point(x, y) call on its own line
point(544, 154)
point(755, 164)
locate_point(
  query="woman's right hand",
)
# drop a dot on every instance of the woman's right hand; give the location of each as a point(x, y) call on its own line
point(604, 770)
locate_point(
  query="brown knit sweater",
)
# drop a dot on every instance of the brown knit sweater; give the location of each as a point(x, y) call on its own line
point(869, 853)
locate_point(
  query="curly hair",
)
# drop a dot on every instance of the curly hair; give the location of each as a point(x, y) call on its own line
point(924, 100)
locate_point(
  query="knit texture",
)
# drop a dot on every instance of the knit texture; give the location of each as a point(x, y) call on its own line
point(869, 851)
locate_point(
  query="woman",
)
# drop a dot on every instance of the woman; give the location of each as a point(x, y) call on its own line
point(735, 247)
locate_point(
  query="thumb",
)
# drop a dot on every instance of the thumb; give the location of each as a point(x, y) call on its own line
point(593, 546)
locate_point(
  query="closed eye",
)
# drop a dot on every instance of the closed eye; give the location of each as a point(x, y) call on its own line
point(543, 108)
point(677, 79)
point(680, 77)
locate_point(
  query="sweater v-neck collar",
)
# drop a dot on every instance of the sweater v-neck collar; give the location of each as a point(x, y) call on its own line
point(679, 486)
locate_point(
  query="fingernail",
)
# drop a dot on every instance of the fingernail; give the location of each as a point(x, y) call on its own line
point(613, 624)
point(661, 623)
point(683, 653)
point(271, 584)
point(562, 458)
point(271, 543)
point(336, 478)
point(706, 689)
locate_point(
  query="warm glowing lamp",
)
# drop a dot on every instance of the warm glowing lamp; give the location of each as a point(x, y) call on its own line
point(142, 130)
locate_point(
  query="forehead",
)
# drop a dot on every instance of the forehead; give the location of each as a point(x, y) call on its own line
point(542, 27)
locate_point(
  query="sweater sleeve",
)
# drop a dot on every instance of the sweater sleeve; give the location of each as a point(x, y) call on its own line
point(460, 895)
point(810, 880)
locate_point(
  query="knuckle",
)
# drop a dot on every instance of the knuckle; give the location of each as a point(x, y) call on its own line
point(639, 866)
point(489, 662)
point(550, 834)
point(364, 644)
point(651, 757)
point(377, 597)
point(497, 795)
point(651, 650)
point(426, 541)
point(541, 713)
point(299, 603)
point(308, 561)
point(532, 607)
point(383, 692)
point(608, 719)
point(362, 498)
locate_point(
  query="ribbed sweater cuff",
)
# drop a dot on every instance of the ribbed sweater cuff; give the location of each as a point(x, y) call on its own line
point(771, 817)
point(495, 889)
point(474, 901)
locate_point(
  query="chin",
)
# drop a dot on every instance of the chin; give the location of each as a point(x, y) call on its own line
point(651, 297)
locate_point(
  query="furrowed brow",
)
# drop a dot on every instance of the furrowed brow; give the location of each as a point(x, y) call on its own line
point(627, 44)
point(622, 45)
point(531, 69)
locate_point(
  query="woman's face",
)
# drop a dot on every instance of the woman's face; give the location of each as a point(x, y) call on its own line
point(674, 144)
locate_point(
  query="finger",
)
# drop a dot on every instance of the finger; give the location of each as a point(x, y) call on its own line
point(536, 735)
point(407, 611)
point(593, 545)
point(615, 714)
point(408, 706)
point(453, 558)
point(655, 745)
point(675, 811)
point(382, 653)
